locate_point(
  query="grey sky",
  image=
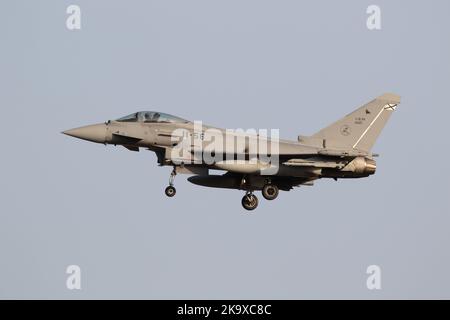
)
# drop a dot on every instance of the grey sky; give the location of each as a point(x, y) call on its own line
point(292, 65)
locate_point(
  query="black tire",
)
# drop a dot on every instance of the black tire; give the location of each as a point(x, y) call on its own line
point(170, 191)
point(249, 202)
point(270, 192)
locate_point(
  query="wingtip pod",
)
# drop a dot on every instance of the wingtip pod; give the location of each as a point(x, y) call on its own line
point(390, 98)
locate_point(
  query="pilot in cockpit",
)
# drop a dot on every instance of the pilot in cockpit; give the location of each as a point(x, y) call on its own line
point(147, 116)
point(155, 117)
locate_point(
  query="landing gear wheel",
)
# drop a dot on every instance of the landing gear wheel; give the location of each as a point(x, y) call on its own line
point(270, 192)
point(250, 202)
point(170, 191)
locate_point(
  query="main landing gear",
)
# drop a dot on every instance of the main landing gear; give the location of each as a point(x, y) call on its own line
point(270, 191)
point(170, 190)
point(249, 201)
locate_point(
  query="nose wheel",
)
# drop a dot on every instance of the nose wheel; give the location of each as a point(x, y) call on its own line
point(249, 201)
point(170, 190)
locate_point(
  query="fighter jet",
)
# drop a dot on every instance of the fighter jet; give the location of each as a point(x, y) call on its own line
point(251, 161)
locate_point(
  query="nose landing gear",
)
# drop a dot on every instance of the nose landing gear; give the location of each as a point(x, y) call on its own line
point(250, 201)
point(170, 190)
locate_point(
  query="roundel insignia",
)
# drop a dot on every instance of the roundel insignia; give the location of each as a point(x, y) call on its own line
point(345, 130)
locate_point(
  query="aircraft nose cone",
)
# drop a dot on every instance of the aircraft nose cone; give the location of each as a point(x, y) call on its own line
point(94, 133)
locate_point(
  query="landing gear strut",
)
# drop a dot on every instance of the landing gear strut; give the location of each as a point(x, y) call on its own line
point(249, 201)
point(270, 191)
point(170, 190)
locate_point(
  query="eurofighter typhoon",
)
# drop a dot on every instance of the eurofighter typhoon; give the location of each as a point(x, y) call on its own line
point(251, 161)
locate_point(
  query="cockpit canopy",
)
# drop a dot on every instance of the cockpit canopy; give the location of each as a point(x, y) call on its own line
point(152, 116)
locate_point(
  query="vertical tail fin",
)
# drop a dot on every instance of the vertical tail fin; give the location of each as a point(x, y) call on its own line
point(360, 129)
